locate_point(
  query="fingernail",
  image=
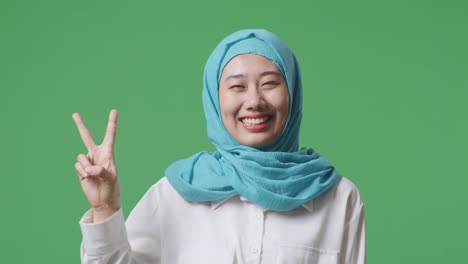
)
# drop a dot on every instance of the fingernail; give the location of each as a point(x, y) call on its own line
point(89, 170)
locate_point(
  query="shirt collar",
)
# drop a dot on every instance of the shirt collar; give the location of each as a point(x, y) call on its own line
point(215, 204)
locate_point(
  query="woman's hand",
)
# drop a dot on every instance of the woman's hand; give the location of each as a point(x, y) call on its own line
point(97, 171)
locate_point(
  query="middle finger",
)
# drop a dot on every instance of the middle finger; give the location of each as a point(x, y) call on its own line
point(84, 132)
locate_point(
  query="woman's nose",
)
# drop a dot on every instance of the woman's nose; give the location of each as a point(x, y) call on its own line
point(254, 99)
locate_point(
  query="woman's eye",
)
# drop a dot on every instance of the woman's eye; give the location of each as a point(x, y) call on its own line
point(236, 87)
point(270, 84)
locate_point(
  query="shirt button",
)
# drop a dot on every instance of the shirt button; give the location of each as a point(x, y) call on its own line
point(259, 215)
point(254, 250)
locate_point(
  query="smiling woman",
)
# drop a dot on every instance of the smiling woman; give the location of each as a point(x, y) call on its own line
point(257, 199)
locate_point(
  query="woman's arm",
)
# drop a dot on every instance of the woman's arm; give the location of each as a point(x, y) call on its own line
point(112, 241)
point(105, 241)
point(354, 240)
point(104, 231)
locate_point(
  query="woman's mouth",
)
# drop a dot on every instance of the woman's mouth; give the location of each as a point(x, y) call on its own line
point(256, 123)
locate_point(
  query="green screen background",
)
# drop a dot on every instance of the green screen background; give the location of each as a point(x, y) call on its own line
point(385, 91)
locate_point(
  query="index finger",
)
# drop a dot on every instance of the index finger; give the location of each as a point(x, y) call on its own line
point(84, 132)
point(109, 138)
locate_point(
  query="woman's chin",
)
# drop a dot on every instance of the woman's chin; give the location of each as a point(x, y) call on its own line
point(257, 140)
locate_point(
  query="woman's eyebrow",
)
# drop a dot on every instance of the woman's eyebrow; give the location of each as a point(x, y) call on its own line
point(236, 76)
point(270, 72)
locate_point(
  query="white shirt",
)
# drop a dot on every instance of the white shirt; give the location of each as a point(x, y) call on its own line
point(164, 228)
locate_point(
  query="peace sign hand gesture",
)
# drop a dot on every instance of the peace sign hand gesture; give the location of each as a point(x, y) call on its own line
point(97, 171)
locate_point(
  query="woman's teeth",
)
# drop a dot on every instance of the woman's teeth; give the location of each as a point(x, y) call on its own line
point(255, 121)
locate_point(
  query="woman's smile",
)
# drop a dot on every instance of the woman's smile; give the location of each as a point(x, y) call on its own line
point(256, 122)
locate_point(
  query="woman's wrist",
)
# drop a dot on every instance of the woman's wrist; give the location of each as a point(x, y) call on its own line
point(103, 212)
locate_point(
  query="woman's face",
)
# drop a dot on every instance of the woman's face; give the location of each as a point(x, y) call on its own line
point(253, 99)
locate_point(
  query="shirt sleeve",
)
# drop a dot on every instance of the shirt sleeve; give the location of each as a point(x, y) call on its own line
point(354, 244)
point(114, 241)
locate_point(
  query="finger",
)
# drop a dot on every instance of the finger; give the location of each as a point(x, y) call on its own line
point(109, 138)
point(84, 132)
point(81, 172)
point(84, 161)
point(94, 170)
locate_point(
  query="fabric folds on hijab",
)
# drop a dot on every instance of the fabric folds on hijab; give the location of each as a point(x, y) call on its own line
point(278, 177)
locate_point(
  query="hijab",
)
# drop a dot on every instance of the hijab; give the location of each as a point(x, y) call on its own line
point(278, 177)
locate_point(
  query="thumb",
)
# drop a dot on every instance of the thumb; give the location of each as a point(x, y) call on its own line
point(94, 170)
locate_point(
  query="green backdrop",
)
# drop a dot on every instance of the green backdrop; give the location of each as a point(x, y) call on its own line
point(385, 86)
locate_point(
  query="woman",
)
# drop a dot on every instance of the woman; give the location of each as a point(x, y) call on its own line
point(257, 199)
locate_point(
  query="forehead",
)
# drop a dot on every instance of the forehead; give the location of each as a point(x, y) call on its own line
point(248, 64)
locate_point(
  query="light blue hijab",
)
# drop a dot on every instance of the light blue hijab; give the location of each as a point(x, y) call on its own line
point(278, 177)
